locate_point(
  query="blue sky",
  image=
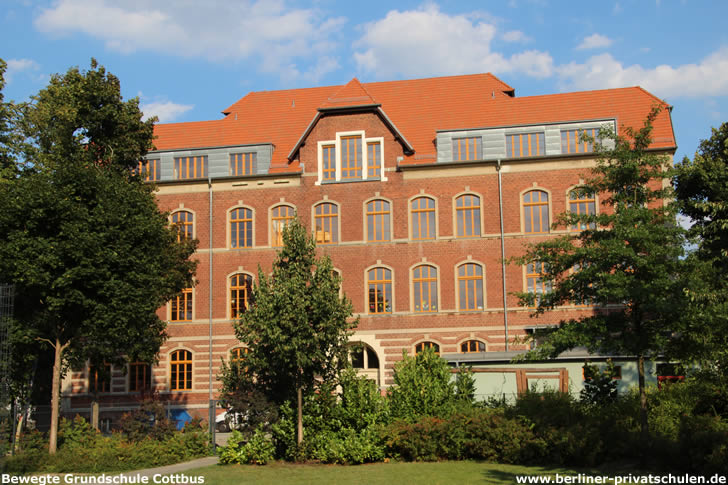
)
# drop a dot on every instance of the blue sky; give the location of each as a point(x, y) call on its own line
point(187, 60)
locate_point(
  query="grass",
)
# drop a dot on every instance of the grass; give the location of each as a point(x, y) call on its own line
point(448, 472)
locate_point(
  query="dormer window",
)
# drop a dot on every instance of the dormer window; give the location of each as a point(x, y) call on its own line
point(351, 157)
point(470, 148)
point(525, 145)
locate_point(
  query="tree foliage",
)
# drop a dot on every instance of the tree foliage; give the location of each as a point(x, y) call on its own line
point(627, 262)
point(701, 187)
point(81, 237)
point(298, 325)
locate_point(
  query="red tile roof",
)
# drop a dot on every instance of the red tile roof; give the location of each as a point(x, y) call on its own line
point(418, 108)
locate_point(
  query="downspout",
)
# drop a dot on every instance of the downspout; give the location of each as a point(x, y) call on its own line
point(503, 250)
point(211, 414)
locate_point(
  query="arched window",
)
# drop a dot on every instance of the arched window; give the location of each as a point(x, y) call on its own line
point(378, 221)
point(182, 306)
point(180, 370)
point(424, 285)
point(326, 222)
point(363, 357)
point(241, 293)
point(423, 218)
point(241, 228)
point(140, 377)
point(582, 202)
point(420, 347)
point(535, 212)
point(467, 215)
point(379, 282)
point(470, 287)
point(472, 346)
point(281, 216)
point(183, 221)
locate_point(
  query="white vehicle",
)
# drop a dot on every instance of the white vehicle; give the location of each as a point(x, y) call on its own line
point(227, 421)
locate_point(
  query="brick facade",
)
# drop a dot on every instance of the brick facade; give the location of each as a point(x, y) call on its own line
point(407, 177)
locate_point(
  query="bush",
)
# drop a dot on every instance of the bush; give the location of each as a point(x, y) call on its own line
point(148, 421)
point(259, 450)
point(422, 387)
point(361, 405)
point(704, 444)
point(481, 434)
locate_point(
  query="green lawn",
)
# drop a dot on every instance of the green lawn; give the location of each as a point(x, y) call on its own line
point(455, 472)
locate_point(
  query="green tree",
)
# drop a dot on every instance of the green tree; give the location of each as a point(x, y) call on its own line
point(9, 141)
point(81, 237)
point(701, 187)
point(298, 325)
point(627, 262)
point(424, 386)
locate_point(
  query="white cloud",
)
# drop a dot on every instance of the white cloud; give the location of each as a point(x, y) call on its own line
point(707, 78)
point(17, 66)
point(427, 42)
point(166, 111)
point(515, 36)
point(595, 41)
point(275, 36)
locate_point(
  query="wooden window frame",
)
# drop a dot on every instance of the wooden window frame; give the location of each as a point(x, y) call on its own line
point(93, 380)
point(533, 280)
point(328, 162)
point(181, 370)
point(516, 148)
point(190, 168)
point(466, 347)
point(183, 298)
point(134, 379)
point(276, 232)
point(478, 280)
point(461, 148)
point(427, 344)
point(323, 220)
point(235, 287)
point(422, 286)
point(472, 213)
point(247, 222)
point(243, 163)
point(350, 166)
point(536, 208)
point(576, 203)
point(571, 140)
point(381, 220)
point(150, 170)
point(427, 214)
point(237, 354)
point(185, 228)
point(381, 286)
point(374, 164)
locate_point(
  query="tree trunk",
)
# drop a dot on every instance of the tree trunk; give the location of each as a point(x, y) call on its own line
point(95, 414)
point(644, 425)
point(56, 396)
point(299, 437)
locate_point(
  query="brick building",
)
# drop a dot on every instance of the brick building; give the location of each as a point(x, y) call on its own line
point(415, 189)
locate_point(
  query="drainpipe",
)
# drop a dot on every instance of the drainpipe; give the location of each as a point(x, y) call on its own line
point(503, 250)
point(211, 414)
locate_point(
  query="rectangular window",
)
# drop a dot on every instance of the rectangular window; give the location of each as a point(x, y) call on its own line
point(150, 170)
point(190, 167)
point(467, 213)
point(525, 145)
point(380, 290)
point(351, 157)
point(140, 377)
point(467, 149)
point(374, 158)
point(423, 218)
point(572, 141)
point(535, 284)
point(243, 163)
point(182, 306)
point(326, 219)
point(329, 162)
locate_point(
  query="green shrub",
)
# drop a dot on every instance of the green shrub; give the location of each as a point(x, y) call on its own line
point(148, 421)
point(422, 387)
point(345, 446)
point(704, 444)
point(481, 434)
point(76, 433)
point(258, 450)
point(361, 404)
point(600, 387)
